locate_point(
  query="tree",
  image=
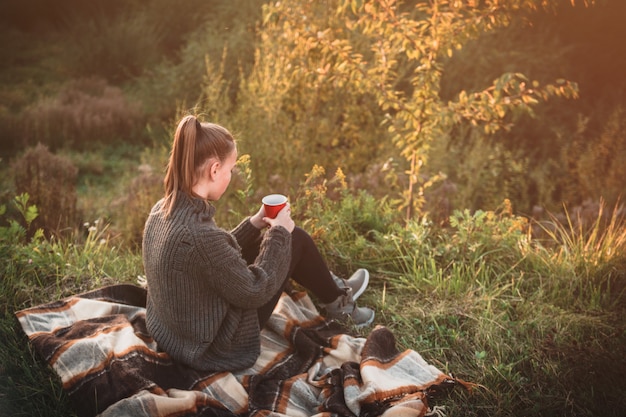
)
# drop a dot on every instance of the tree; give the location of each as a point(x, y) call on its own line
point(368, 72)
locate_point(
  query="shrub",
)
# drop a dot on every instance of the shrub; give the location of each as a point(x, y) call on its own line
point(36, 269)
point(600, 165)
point(10, 136)
point(497, 238)
point(84, 110)
point(134, 206)
point(50, 180)
point(352, 227)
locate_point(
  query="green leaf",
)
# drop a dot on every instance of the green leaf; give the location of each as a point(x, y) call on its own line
point(31, 214)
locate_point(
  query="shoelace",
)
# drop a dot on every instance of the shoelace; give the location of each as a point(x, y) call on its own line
point(346, 300)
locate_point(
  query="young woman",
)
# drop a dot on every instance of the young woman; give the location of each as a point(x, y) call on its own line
point(211, 291)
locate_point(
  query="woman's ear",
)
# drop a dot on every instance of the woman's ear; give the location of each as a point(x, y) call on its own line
point(213, 168)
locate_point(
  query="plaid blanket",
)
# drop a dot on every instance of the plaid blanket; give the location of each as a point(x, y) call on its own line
point(109, 365)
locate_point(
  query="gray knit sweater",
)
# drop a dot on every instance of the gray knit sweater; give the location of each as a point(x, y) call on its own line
point(202, 296)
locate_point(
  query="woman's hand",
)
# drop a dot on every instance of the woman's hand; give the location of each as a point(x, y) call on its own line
point(258, 219)
point(283, 218)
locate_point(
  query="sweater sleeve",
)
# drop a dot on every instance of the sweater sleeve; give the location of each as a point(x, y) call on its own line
point(246, 234)
point(242, 285)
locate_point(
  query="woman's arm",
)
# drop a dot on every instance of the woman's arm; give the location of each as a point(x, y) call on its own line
point(246, 234)
point(243, 285)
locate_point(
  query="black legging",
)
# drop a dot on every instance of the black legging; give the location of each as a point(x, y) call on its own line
point(307, 268)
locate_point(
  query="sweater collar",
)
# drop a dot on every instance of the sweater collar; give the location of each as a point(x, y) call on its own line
point(198, 205)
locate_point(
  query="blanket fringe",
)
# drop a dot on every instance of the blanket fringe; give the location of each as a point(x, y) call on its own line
point(437, 411)
point(468, 386)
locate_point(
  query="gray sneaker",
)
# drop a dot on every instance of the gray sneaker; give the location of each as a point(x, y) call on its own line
point(357, 282)
point(344, 309)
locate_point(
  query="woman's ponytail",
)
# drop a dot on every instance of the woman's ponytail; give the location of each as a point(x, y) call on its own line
point(180, 168)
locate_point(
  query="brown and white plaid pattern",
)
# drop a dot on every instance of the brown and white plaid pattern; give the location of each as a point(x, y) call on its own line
point(109, 365)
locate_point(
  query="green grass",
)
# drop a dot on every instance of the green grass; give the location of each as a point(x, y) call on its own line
point(538, 326)
point(36, 270)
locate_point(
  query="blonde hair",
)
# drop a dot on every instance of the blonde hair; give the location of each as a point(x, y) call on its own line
point(194, 144)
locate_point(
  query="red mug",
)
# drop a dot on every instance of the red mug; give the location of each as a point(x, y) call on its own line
point(274, 203)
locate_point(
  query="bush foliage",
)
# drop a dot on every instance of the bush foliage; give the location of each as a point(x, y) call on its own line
point(50, 181)
point(84, 112)
point(452, 94)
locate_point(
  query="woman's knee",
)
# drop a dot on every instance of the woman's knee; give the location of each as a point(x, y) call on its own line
point(299, 232)
point(301, 238)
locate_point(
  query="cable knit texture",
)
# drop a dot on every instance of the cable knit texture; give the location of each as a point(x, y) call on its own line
point(202, 296)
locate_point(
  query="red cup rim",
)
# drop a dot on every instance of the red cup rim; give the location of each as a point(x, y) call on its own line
point(274, 199)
